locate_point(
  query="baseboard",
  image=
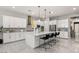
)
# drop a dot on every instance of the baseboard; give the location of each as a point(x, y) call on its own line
point(13, 41)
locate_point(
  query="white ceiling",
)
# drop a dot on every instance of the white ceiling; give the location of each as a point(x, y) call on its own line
point(57, 10)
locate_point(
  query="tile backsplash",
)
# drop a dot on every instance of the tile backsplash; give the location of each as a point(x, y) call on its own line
point(13, 30)
point(62, 29)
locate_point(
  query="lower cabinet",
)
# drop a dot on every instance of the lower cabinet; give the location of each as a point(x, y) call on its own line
point(6, 37)
point(63, 34)
point(10, 37)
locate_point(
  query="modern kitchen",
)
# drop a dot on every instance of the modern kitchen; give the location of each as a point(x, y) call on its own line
point(39, 29)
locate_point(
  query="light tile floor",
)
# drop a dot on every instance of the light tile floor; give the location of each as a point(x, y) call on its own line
point(62, 46)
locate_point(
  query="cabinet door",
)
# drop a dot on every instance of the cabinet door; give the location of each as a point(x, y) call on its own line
point(6, 22)
point(21, 36)
point(6, 38)
point(12, 35)
point(24, 23)
point(62, 23)
point(12, 22)
point(19, 23)
point(63, 35)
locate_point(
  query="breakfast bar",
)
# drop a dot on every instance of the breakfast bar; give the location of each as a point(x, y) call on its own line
point(33, 39)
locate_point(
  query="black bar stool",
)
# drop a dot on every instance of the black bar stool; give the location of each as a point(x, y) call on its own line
point(45, 39)
point(51, 36)
point(58, 33)
point(1, 41)
point(55, 35)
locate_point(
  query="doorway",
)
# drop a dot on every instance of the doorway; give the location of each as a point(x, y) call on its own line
point(76, 26)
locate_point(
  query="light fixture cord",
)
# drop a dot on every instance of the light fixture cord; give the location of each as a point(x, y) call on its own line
point(45, 13)
point(39, 11)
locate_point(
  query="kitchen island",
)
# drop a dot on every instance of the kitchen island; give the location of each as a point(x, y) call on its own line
point(32, 38)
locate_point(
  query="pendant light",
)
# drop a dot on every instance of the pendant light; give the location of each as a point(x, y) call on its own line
point(39, 11)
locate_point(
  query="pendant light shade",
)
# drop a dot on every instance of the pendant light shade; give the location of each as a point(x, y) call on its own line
point(44, 15)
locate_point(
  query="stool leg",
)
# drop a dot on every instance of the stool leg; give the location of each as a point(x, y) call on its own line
point(50, 44)
point(44, 45)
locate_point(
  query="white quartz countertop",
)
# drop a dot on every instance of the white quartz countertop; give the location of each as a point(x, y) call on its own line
point(42, 33)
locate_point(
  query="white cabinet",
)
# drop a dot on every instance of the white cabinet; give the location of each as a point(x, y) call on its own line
point(30, 39)
point(1, 35)
point(53, 22)
point(1, 21)
point(21, 23)
point(63, 34)
point(10, 37)
point(62, 23)
point(6, 37)
point(21, 35)
point(13, 22)
point(6, 22)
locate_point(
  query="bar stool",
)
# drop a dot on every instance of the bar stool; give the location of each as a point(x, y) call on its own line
point(45, 39)
point(58, 33)
point(1, 41)
point(55, 35)
point(51, 38)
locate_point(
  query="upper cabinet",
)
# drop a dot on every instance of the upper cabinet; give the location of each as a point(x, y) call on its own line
point(62, 23)
point(14, 22)
point(6, 22)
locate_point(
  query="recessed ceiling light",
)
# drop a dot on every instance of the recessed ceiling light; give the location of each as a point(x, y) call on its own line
point(52, 12)
point(74, 8)
point(32, 13)
point(13, 7)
